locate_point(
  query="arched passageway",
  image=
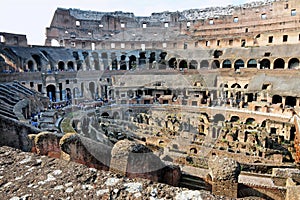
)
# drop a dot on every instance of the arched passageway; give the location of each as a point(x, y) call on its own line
point(294, 63)
point(61, 66)
point(30, 65)
point(70, 66)
point(51, 92)
point(123, 63)
point(265, 64)
point(215, 64)
point(193, 64)
point(204, 64)
point(226, 64)
point(279, 64)
point(252, 64)
point(182, 65)
point(38, 62)
point(276, 99)
point(132, 62)
point(92, 89)
point(290, 101)
point(239, 64)
point(172, 63)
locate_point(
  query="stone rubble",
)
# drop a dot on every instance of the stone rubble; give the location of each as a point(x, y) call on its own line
point(30, 176)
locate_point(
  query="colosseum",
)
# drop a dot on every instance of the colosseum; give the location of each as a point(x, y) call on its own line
point(205, 99)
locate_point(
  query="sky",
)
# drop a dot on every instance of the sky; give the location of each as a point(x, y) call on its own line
point(31, 17)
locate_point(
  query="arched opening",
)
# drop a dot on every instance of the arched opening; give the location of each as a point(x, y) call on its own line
point(290, 101)
point(30, 65)
point(51, 92)
point(130, 94)
point(68, 96)
point(193, 64)
point(279, 64)
point(276, 99)
point(123, 63)
point(193, 151)
point(104, 57)
point(215, 64)
point(70, 66)
point(116, 115)
point(265, 64)
point(250, 120)
point(294, 63)
point(38, 62)
point(142, 58)
point(204, 64)
point(172, 63)
point(76, 92)
point(152, 59)
point(61, 66)
point(55, 43)
point(236, 85)
point(132, 62)
point(252, 64)
point(182, 65)
point(96, 60)
point(239, 64)
point(226, 64)
point(162, 62)
point(234, 118)
point(218, 118)
point(114, 61)
point(105, 115)
point(92, 89)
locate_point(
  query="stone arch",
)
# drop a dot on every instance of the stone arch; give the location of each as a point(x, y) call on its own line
point(114, 61)
point(226, 64)
point(105, 115)
point(279, 63)
point(38, 61)
point(76, 93)
point(142, 58)
point(218, 118)
point(116, 115)
point(68, 95)
point(193, 150)
point(152, 59)
point(123, 63)
point(234, 118)
point(193, 64)
point(215, 64)
point(204, 64)
point(51, 91)
point(265, 64)
point(182, 64)
point(252, 63)
point(132, 62)
point(250, 120)
point(104, 58)
point(276, 99)
point(70, 65)
point(30, 65)
point(290, 101)
point(92, 89)
point(96, 60)
point(294, 63)
point(55, 43)
point(82, 89)
point(236, 85)
point(61, 65)
point(172, 63)
point(239, 64)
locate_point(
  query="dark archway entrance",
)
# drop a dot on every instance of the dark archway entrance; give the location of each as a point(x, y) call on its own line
point(252, 64)
point(294, 63)
point(226, 64)
point(279, 64)
point(182, 65)
point(239, 64)
point(51, 93)
point(172, 63)
point(132, 62)
point(61, 66)
point(265, 64)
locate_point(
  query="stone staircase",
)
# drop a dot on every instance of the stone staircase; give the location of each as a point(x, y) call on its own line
point(193, 182)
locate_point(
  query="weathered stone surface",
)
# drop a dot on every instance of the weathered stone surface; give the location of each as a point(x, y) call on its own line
point(29, 176)
point(224, 169)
